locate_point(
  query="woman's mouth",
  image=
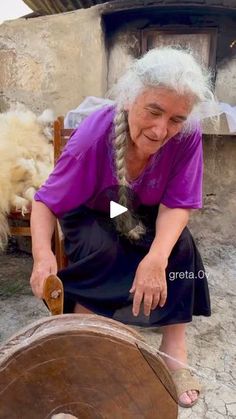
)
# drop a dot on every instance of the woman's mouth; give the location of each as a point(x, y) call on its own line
point(152, 139)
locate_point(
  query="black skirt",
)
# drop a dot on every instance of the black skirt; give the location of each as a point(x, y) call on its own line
point(102, 266)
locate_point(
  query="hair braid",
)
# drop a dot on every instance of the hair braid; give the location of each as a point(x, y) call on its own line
point(125, 223)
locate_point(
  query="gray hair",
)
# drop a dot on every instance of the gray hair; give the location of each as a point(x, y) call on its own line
point(169, 67)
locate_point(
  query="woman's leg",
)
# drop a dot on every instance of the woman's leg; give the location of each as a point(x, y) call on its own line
point(92, 252)
point(174, 344)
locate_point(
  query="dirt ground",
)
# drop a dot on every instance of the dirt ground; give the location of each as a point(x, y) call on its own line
point(211, 340)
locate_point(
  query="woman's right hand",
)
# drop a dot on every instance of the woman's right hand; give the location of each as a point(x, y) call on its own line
point(45, 264)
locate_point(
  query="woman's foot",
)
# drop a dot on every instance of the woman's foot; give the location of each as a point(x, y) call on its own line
point(173, 344)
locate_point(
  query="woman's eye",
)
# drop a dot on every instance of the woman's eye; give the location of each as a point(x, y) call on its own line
point(155, 113)
point(176, 121)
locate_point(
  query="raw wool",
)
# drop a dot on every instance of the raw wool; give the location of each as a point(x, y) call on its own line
point(26, 159)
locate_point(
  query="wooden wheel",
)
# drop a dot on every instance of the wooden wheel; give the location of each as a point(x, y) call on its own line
point(86, 365)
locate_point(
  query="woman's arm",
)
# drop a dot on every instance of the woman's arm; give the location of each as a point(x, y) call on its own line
point(42, 223)
point(42, 228)
point(170, 223)
point(149, 283)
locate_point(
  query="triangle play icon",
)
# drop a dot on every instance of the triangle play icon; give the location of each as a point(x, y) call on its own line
point(116, 209)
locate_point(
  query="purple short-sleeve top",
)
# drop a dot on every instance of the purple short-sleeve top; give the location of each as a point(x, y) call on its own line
point(86, 167)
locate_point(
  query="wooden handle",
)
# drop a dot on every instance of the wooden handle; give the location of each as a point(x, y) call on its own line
point(53, 294)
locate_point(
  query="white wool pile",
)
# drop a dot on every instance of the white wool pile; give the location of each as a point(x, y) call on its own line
point(26, 159)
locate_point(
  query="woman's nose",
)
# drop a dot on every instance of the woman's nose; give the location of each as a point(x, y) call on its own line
point(160, 129)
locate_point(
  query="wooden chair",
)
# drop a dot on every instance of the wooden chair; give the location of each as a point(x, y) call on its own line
point(16, 230)
point(61, 136)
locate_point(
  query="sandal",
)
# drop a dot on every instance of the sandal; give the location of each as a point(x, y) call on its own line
point(184, 381)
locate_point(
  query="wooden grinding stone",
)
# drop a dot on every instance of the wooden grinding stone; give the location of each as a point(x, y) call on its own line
point(86, 365)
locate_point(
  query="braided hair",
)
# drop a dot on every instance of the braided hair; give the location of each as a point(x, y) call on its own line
point(126, 223)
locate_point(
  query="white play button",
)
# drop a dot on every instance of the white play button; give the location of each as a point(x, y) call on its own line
point(116, 209)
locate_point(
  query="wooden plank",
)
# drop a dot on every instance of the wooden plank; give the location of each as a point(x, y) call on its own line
point(20, 231)
point(202, 41)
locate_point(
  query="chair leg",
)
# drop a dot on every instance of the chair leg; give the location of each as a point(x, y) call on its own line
point(59, 247)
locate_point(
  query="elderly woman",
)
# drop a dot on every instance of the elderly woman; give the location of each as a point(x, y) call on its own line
point(146, 153)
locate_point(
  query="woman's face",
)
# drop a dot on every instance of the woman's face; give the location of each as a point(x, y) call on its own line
point(157, 115)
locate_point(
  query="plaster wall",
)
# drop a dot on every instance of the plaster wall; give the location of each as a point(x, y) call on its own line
point(216, 222)
point(53, 61)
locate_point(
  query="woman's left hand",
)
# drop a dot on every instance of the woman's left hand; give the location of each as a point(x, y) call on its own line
point(149, 284)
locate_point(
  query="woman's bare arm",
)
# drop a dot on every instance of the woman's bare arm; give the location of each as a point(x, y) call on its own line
point(42, 224)
point(149, 284)
point(42, 228)
point(169, 225)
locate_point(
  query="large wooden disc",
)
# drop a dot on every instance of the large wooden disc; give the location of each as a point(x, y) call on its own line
point(86, 365)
